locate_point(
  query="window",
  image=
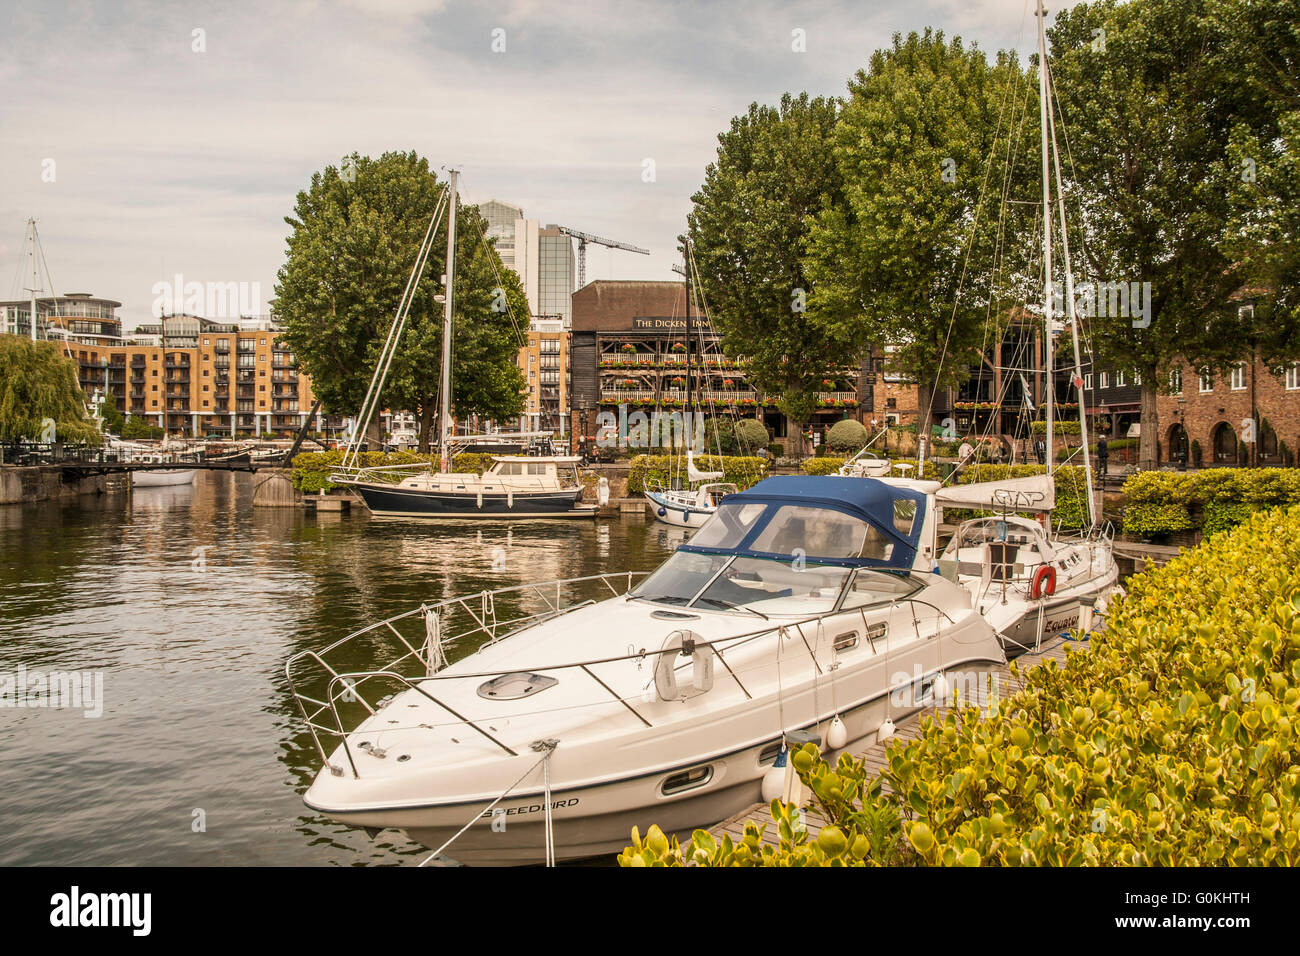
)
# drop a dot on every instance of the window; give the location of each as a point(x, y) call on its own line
point(728, 526)
point(1238, 380)
point(818, 532)
point(1293, 378)
point(1137, 378)
point(1207, 380)
point(876, 587)
point(687, 780)
point(904, 515)
point(1176, 381)
point(1087, 381)
point(1103, 380)
point(1119, 380)
point(680, 578)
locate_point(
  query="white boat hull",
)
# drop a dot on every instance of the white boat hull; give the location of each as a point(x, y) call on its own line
point(597, 819)
point(163, 477)
point(609, 776)
point(674, 514)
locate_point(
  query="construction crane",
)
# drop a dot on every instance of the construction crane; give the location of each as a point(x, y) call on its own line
point(584, 238)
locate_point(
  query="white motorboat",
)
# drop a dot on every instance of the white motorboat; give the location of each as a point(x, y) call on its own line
point(794, 612)
point(162, 477)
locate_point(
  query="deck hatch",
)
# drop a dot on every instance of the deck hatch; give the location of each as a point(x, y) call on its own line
point(515, 686)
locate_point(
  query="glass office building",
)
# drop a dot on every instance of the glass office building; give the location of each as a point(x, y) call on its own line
point(556, 272)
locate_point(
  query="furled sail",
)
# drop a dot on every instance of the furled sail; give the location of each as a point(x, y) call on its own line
point(1033, 493)
point(693, 474)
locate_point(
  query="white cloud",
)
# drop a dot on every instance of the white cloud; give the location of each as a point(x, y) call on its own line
point(170, 160)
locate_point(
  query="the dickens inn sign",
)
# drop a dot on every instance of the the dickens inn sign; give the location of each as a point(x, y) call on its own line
point(658, 323)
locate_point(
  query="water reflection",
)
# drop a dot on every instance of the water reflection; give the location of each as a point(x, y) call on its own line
point(190, 601)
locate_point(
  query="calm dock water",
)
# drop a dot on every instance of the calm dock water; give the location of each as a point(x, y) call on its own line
point(188, 601)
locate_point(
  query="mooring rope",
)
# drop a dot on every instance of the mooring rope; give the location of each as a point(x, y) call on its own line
point(504, 793)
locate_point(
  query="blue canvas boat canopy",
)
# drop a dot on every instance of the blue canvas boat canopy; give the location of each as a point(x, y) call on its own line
point(857, 522)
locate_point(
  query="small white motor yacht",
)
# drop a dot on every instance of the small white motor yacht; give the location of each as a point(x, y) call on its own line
point(794, 613)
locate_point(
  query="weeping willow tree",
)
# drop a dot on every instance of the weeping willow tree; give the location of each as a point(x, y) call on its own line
point(39, 382)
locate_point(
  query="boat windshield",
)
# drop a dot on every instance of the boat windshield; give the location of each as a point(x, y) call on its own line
point(767, 585)
point(680, 578)
point(775, 587)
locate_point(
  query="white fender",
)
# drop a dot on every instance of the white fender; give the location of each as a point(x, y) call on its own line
point(510, 499)
point(602, 491)
point(837, 735)
point(774, 779)
point(885, 731)
point(940, 691)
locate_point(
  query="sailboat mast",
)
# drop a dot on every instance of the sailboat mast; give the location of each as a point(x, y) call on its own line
point(1047, 225)
point(31, 251)
point(444, 375)
point(1074, 324)
point(686, 261)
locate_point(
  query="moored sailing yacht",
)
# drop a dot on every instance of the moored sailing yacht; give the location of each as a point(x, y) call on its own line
point(689, 507)
point(1028, 581)
point(513, 487)
point(795, 610)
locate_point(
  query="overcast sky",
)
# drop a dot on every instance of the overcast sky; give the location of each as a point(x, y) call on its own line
point(168, 160)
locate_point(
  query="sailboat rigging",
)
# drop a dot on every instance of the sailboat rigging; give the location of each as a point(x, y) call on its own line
point(514, 486)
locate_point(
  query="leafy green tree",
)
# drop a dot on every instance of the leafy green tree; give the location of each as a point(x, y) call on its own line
point(1160, 105)
point(114, 420)
point(356, 234)
point(911, 254)
point(38, 382)
point(773, 174)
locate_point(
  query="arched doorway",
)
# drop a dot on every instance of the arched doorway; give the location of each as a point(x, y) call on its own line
point(1268, 445)
point(1178, 444)
point(1224, 442)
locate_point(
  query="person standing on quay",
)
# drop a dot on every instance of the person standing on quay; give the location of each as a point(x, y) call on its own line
point(1103, 455)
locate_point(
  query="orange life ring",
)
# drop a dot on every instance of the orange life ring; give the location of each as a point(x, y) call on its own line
point(1039, 590)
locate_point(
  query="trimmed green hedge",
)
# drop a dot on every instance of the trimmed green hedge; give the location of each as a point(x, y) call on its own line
point(661, 469)
point(311, 470)
point(1170, 742)
point(1212, 500)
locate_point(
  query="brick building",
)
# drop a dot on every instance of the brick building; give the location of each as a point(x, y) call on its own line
point(186, 374)
point(629, 349)
point(544, 362)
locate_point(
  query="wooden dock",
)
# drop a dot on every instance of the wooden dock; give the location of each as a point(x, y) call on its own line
point(874, 754)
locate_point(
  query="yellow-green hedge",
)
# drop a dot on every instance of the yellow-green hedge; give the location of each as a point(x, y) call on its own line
point(1170, 741)
point(1161, 502)
point(311, 470)
point(659, 470)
